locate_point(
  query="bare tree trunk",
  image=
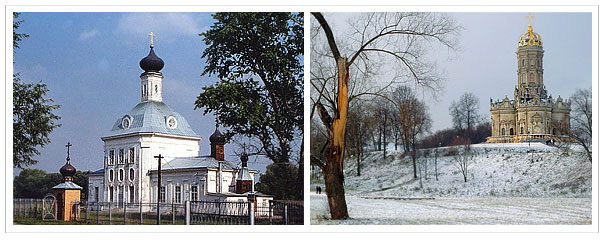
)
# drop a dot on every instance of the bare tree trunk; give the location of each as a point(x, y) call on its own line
point(436, 173)
point(333, 174)
point(300, 180)
point(414, 162)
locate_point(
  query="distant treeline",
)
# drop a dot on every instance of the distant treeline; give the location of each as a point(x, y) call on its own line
point(36, 183)
point(452, 137)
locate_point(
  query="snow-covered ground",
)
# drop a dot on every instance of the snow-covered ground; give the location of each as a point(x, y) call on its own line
point(516, 176)
point(492, 210)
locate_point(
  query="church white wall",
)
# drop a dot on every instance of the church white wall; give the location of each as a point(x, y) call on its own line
point(95, 181)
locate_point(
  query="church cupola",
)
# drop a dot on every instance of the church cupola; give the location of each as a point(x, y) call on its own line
point(217, 145)
point(530, 70)
point(244, 180)
point(151, 79)
point(68, 171)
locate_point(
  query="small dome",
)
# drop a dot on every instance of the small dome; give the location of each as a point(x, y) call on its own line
point(151, 63)
point(67, 170)
point(530, 38)
point(217, 137)
point(244, 159)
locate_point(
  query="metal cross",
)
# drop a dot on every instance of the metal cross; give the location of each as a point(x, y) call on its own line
point(151, 35)
point(68, 146)
point(529, 17)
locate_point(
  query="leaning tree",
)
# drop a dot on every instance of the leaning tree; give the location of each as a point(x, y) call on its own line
point(397, 38)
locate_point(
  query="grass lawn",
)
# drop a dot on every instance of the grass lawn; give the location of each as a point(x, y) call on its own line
point(39, 221)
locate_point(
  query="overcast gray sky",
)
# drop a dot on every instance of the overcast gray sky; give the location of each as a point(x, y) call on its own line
point(485, 64)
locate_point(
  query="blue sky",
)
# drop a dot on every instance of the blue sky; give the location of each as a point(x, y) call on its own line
point(90, 62)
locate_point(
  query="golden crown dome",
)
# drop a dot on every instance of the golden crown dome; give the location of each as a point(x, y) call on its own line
point(530, 38)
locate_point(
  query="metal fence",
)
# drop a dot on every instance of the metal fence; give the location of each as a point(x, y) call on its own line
point(28, 207)
point(131, 213)
point(198, 212)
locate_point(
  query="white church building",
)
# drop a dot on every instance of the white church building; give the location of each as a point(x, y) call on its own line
point(151, 128)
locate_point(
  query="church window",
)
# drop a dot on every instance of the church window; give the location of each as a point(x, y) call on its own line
point(523, 62)
point(177, 193)
point(110, 175)
point(524, 78)
point(96, 194)
point(156, 89)
point(110, 194)
point(111, 157)
point(121, 175)
point(131, 155)
point(503, 133)
point(521, 130)
point(532, 78)
point(163, 194)
point(194, 193)
point(144, 90)
point(131, 174)
point(131, 193)
point(511, 131)
point(121, 156)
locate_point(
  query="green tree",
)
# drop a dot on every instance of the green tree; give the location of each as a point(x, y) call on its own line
point(277, 182)
point(258, 58)
point(33, 120)
point(34, 183)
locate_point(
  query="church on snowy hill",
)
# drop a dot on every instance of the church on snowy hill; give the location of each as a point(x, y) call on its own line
point(533, 114)
point(151, 129)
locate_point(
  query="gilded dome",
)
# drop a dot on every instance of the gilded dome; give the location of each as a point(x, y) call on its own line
point(530, 38)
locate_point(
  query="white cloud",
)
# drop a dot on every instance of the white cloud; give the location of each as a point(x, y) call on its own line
point(167, 26)
point(88, 34)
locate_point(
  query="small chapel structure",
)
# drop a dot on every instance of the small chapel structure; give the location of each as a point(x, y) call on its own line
point(532, 114)
point(67, 193)
point(152, 128)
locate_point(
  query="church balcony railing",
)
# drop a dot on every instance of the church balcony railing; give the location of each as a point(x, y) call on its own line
point(527, 138)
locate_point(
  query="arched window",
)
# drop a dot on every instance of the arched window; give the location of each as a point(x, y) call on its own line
point(511, 131)
point(532, 78)
point(524, 78)
point(521, 130)
point(121, 175)
point(110, 175)
point(131, 174)
point(523, 62)
point(503, 132)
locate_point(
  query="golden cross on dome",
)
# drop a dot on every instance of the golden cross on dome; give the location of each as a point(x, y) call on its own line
point(151, 35)
point(529, 18)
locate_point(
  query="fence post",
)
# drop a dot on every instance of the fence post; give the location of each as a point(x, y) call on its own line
point(124, 213)
point(109, 213)
point(251, 211)
point(187, 212)
point(140, 212)
point(97, 212)
point(286, 214)
point(86, 217)
point(173, 214)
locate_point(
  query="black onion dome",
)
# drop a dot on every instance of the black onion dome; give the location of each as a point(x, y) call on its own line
point(244, 159)
point(217, 137)
point(67, 170)
point(151, 63)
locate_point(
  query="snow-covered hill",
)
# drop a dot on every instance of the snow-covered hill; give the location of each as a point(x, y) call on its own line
point(497, 170)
